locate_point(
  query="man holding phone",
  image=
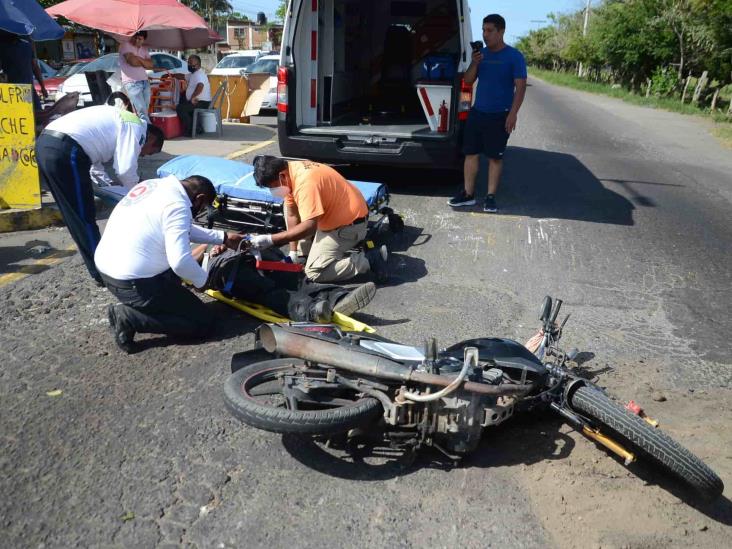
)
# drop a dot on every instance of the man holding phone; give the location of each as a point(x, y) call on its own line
point(501, 73)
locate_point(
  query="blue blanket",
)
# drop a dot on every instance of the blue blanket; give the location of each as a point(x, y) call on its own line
point(236, 179)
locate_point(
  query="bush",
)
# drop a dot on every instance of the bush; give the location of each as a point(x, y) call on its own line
point(665, 82)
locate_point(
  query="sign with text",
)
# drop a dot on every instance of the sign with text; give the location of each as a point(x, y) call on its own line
point(19, 185)
point(68, 47)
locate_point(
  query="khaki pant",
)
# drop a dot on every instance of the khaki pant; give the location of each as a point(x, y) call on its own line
point(329, 259)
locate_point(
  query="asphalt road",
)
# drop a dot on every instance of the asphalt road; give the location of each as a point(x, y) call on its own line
point(623, 212)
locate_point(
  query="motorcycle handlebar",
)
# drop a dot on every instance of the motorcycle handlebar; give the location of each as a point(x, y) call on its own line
point(555, 314)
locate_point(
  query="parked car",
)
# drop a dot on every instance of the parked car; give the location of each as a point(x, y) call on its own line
point(52, 83)
point(233, 63)
point(110, 63)
point(47, 71)
point(267, 64)
point(355, 95)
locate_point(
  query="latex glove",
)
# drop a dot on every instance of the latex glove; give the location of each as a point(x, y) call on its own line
point(261, 241)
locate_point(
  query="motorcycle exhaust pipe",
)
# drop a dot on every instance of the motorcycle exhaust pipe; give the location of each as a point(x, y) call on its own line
point(274, 338)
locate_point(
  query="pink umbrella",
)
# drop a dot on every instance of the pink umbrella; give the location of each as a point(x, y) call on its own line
point(169, 24)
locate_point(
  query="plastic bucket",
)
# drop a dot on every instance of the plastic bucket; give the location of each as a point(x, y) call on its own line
point(208, 121)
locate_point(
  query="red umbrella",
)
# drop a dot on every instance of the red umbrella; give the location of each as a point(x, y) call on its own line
point(169, 24)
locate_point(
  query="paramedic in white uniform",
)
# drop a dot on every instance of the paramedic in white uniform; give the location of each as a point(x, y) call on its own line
point(79, 142)
point(144, 253)
point(198, 93)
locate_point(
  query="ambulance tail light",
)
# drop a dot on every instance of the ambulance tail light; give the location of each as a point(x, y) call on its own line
point(466, 99)
point(282, 89)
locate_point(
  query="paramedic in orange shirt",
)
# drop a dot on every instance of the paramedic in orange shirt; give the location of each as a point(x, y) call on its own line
point(321, 202)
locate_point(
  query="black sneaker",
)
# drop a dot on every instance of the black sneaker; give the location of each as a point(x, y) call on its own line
point(356, 299)
point(489, 204)
point(123, 336)
point(377, 261)
point(320, 312)
point(461, 199)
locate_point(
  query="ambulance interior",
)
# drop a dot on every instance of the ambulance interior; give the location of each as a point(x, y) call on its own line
point(371, 57)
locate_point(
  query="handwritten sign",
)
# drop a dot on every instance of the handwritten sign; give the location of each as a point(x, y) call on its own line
point(19, 186)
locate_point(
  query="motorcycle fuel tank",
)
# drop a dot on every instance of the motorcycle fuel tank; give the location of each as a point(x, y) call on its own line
point(504, 353)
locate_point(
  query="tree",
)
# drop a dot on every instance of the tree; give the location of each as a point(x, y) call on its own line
point(715, 16)
point(632, 40)
point(215, 12)
point(281, 10)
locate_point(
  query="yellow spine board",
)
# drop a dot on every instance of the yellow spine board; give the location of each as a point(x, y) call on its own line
point(268, 315)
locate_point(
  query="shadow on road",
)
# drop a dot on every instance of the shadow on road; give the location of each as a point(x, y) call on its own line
point(409, 181)
point(12, 257)
point(535, 183)
point(148, 165)
point(525, 440)
point(719, 510)
point(230, 324)
point(546, 184)
point(370, 458)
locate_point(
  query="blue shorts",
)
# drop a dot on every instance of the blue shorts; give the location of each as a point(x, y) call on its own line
point(485, 133)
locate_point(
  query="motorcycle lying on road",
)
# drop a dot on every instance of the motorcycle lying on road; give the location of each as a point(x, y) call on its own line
point(331, 382)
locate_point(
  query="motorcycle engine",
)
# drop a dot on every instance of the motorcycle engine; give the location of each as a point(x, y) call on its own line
point(457, 420)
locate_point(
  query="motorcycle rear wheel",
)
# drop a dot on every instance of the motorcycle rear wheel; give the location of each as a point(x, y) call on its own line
point(651, 442)
point(254, 396)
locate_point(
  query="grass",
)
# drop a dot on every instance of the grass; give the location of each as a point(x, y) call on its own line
point(722, 126)
point(724, 133)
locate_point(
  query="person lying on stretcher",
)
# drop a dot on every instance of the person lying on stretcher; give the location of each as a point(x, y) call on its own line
point(289, 294)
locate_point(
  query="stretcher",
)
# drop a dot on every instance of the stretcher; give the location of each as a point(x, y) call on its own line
point(241, 205)
point(266, 314)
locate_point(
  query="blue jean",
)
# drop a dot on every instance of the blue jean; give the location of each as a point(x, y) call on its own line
point(139, 94)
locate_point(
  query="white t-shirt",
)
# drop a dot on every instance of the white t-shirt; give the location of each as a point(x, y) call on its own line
point(106, 133)
point(193, 79)
point(150, 231)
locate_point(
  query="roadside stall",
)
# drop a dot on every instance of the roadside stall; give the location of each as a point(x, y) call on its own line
point(169, 24)
point(19, 184)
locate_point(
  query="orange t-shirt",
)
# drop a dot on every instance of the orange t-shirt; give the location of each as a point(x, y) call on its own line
point(319, 190)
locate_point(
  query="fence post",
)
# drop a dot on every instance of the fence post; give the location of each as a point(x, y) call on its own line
point(686, 87)
point(714, 99)
point(700, 87)
point(648, 87)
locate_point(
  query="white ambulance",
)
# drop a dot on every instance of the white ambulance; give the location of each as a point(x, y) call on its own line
point(374, 82)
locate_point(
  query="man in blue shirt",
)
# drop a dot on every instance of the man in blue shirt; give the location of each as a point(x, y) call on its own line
point(501, 73)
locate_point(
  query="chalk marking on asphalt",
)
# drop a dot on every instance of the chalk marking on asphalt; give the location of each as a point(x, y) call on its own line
point(510, 217)
point(52, 259)
point(252, 148)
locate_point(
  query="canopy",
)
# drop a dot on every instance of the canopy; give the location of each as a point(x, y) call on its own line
point(26, 17)
point(169, 24)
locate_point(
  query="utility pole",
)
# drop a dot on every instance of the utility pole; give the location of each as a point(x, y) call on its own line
point(584, 32)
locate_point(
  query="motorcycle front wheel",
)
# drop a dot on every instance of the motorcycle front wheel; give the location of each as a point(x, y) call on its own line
point(256, 395)
point(651, 442)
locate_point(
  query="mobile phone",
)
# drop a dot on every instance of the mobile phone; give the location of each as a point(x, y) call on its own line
point(477, 45)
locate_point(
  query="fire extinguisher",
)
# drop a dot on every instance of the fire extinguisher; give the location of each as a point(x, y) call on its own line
point(442, 124)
